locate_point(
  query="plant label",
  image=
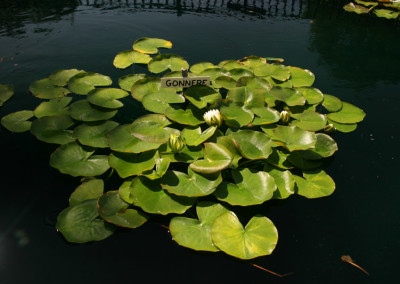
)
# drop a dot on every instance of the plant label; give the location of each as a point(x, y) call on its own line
point(176, 82)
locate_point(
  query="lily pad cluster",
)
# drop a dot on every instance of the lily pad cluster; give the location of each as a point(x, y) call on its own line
point(381, 8)
point(261, 131)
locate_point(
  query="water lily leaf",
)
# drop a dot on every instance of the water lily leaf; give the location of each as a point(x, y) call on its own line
point(150, 45)
point(192, 184)
point(107, 97)
point(161, 167)
point(284, 181)
point(53, 107)
point(126, 58)
point(196, 234)
point(289, 96)
point(249, 98)
point(315, 184)
point(200, 95)
point(147, 86)
point(332, 103)
point(190, 116)
point(231, 145)
point(226, 82)
point(238, 73)
point(253, 83)
point(233, 64)
point(114, 210)
point(194, 136)
point(75, 160)
point(253, 144)
point(275, 71)
point(367, 3)
point(45, 89)
point(159, 101)
point(216, 158)
point(61, 77)
point(94, 133)
point(389, 4)
point(83, 83)
point(126, 82)
point(80, 223)
point(214, 72)
point(188, 154)
point(18, 121)
point(309, 120)
point(355, 8)
point(301, 77)
point(348, 114)
point(312, 95)
point(53, 129)
point(6, 92)
point(296, 158)
point(91, 189)
point(199, 67)
point(265, 115)
point(121, 139)
point(148, 195)
point(275, 59)
point(294, 138)
point(277, 83)
point(128, 164)
point(279, 159)
point(343, 127)
point(253, 61)
point(324, 147)
point(249, 188)
point(258, 238)
point(84, 111)
point(152, 128)
point(164, 62)
point(235, 115)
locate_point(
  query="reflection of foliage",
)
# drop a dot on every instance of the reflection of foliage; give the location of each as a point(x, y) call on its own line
point(383, 9)
point(356, 49)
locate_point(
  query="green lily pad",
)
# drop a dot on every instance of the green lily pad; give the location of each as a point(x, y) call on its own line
point(315, 184)
point(121, 139)
point(238, 73)
point(275, 71)
point(161, 167)
point(332, 103)
point(265, 115)
point(235, 115)
point(359, 9)
point(83, 83)
point(190, 116)
point(196, 234)
point(233, 64)
point(126, 58)
point(216, 158)
point(309, 120)
point(201, 95)
point(53, 129)
point(152, 128)
point(188, 154)
point(279, 159)
point(289, 96)
point(294, 138)
point(6, 92)
point(192, 184)
point(324, 147)
point(248, 188)
point(107, 97)
point(150, 45)
point(301, 77)
point(253, 61)
point(284, 181)
point(312, 95)
point(253, 144)
point(114, 210)
point(148, 195)
point(159, 102)
point(126, 82)
point(62, 77)
point(226, 82)
point(253, 83)
point(231, 145)
point(128, 164)
point(249, 98)
point(367, 3)
point(296, 158)
point(214, 72)
point(343, 127)
point(194, 136)
point(147, 86)
point(94, 133)
point(53, 107)
point(84, 111)
point(258, 238)
point(164, 62)
point(348, 114)
point(199, 67)
point(91, 189)
point(75, 160)
point(80, 223)
point(18, 121)
point(45, 89)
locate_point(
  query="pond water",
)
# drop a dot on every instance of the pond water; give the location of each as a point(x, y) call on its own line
point(353, 57)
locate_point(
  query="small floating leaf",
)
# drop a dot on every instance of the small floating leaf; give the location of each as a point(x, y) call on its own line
point(294, 138)
point(265, 115)
point(53, 129)
point(348, 114)
point(309, 120)
point(284, 181)
point(312, 95)
point(18, 121)
point(152, 128)
point(150, 45)
point(164, 62)
point(107, 97)
point(332, 103)
point(126, 82)
point(289, 96)
point(53, 107)
point(159, 102)
point(6, 92)
point(126, 58)
point(231, 145)
point(275, 71)
point(301, 77)
point(324, 147)
point(253, 144)
point(194, 136)
point(91, 189)
point(45, 89)
point(83, 83)
point(199, 67)
point(94, 133)
point(128, 164)
point(343, 127)
point(315, 184)
point(84, 111)
point(216, 158)
point(200, 95)
point(62, 77)
point(190, 116)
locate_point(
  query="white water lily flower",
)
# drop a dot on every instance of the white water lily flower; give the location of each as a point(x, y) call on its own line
point(213, 117)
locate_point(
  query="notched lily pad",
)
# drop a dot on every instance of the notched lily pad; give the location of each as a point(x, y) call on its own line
point(53, 107)
point(348, 114)
point(6, 92)
point(216, 158)
point(315, 184)
point(126, 58)
point(293, 138)
point(107, 97)
point(91, 189)
point(150, 45)
point(152, 128)
point(301, 77)
point(128, 164)
point(200, 95)
point(84, 82)
point(94, 133)
point(62, 77)
point(18, 121)
point(53, 129)
point(84, 111)
point(164, 62)
point(126, 82)
point(45, 89)
point(253, 144)
point(194, 136)
point(159, 102)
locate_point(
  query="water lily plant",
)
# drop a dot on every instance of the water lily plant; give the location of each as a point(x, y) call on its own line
point(389, 9)
point(260, 131)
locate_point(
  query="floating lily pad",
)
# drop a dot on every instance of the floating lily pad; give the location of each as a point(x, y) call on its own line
point(253, 61)
point(83, 83)
point(309, 120)
point(233, 64)
point(238, 73)
point(80, 223)
point(275, 71)
point(289, 96)
point(253, 83)
point(312, 95)
point(265, 115)
point(53, 129)
point(45, 89)
point(214, 72)
point(301, 77)
point(279, 159)
point(53, 107)
point(199, 67)
point(284, 181)
point(226, 82)
point(150, 45)
point(146, 86)
point(107, 97)
point(192, 184)
point(152, 128)
point(332, 103)
point(94, 133)
point(343, 127)
point(84, 111)
point(62, 77)
point(201, 95)
point(159, 102)
point(248, 188)
point(126, 82)
point(324, 147)
point(126, 58)
point(6, 91)
point(348, 114)
point(296, 159)
point(161, 167)
point(114, 210)
point(188, 154)
point(248, 98)
point(216, 158)
point(294, 138)
point(235, 115)
point(258, 238)
point(18, 121)
point(359, 9)
point(190, 116)
point(253, 144)
point(196, 234)
point(128, 164)
point(91, 189)
point(231, 145)
point(194, 136)
point(76, 160)
point(164, 62)
point(315, 184)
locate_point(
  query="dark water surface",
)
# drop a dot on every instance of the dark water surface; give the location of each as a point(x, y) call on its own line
point(353, 57)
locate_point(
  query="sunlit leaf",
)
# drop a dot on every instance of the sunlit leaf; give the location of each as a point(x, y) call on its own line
point(164, 62)
point(276, 71)
point(348, 114)
point(62, 77)
point(91, 189)
point(315, 184)
point(84, 111)
point(107, 97)
point(126, 58)
point(128, 164)
point(150, 45)
point(159, 102)
point(253, 144)
point(126, 82)
point(18, 121)
point(83, 83)
point(6, 91)
point(194, 136)
point(53, 107)
point(45, 89)
point(301, 77)
point(53, 129)
point(94, 133)
point(216, 158)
